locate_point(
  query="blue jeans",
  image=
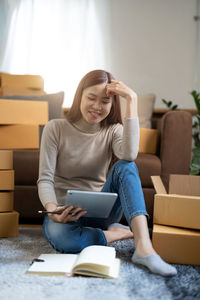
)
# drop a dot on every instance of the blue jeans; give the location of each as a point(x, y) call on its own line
point(72, 237)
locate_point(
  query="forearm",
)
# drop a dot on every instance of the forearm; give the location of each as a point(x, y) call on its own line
point(125, 143)
point(46, 193)
point(131, 107)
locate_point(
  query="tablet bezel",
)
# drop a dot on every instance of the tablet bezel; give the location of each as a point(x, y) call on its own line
point(98, 204)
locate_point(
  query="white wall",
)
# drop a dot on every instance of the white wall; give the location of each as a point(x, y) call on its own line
point(153, 47)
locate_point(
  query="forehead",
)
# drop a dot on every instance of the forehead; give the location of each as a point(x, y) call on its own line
point(96, 90)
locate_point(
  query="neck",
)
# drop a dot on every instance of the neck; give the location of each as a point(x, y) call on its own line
point(86, 127)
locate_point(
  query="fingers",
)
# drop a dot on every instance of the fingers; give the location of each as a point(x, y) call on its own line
point(63, 210)
point(68, 214)
point(119, 88)
point(73, 214)
point(114, 87)
point(76, 216)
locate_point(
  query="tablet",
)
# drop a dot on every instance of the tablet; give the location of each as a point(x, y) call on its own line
point(98, 204)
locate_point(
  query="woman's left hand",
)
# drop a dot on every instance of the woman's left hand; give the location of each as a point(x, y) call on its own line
point(119, 88)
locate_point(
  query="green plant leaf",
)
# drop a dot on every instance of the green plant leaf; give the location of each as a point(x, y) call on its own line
point(195, 169)
point(195, 172)
point(174, 107)
point(196, 97)
point(196, 151)
point(164, 101)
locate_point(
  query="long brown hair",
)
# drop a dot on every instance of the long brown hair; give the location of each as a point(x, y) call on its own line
point(93, 78)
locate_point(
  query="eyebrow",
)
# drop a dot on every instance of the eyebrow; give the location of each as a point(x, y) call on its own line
point(94, 95)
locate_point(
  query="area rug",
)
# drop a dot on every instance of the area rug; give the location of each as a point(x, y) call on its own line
point(134, 282)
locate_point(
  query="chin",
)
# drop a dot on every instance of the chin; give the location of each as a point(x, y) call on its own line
point(94, 122)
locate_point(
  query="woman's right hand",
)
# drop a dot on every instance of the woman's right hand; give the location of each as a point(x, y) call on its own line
point(69, 214)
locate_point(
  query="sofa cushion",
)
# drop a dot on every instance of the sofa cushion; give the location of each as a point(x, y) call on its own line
point(26, 166)
point(148, 165)
point(145, 109)
point(148, 140)
point(27, 203)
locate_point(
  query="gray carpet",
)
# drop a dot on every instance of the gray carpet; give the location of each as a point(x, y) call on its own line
point(134, 282)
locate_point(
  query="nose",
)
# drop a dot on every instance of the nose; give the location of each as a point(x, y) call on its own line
point(97, 105)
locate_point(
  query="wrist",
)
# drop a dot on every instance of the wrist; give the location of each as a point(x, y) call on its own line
point(131, 108)
point(132, 97)
point(50, 206)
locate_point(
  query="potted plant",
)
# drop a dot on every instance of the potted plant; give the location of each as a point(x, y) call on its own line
point(170, 104)
point(195, 164)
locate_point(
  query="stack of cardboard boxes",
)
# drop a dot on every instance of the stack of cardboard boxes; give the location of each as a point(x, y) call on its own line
point(19, 123)
point(19, 129)
point(8, 217)
point(176, 229)
point(11, 84)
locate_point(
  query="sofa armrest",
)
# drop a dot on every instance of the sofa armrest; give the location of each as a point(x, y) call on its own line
point(175, 144)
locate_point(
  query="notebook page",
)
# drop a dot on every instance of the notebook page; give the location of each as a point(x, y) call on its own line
point(54, 263)
point(115, 269)
point(102, 255)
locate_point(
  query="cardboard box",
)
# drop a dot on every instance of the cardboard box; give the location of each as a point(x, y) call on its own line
point(181, 206)
point(6, 160)
point(7, 180)
point(177, 245)
point(9, 223)
point(26, 81)
point(23, 112)
point(6, 201)
point(148, 140)
point(10, 91)
point(19, 137)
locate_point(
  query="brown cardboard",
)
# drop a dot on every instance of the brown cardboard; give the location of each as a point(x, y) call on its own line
point(158, 185)
point(184, 185)
point(19, 137)
point(7, 180)
point(9, 223)
point(148, 140)
point(6, 201)
point(23, 112)
point(178, 210)
point(6, 160)
point(176, 245)
point(10, 91)
point(26, 81)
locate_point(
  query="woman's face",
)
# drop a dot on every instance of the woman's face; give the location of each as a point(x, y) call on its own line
point(95, 104)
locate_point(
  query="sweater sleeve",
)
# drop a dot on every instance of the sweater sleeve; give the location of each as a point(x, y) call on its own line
point(125, 142)
point(47, 164)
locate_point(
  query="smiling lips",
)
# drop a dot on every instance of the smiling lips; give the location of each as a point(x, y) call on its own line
point(94, 114)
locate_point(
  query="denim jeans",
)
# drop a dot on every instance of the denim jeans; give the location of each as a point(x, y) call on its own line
point(72, 237)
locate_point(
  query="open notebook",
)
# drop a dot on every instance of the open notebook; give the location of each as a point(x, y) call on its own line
point(98, 261)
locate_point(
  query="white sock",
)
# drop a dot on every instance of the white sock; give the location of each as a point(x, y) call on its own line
point(155, 264)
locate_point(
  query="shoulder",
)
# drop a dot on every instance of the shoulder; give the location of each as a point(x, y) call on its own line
point(55, 124)
point(53, 128)
point(115, 128)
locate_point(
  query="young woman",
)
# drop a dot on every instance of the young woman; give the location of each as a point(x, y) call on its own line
point(75, 154)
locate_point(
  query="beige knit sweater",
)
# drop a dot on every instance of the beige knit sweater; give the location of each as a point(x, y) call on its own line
point(77, 156)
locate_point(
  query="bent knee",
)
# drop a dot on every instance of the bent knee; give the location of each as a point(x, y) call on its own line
point(126, 165)
point(62, 237)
